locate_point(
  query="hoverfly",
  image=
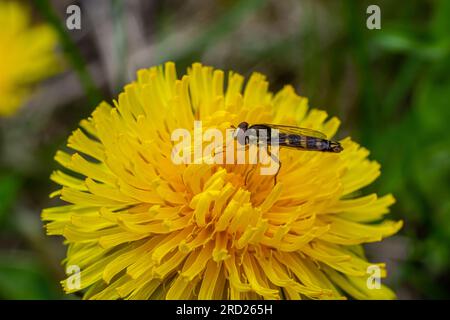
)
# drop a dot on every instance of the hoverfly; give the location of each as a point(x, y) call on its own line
point(288, 136)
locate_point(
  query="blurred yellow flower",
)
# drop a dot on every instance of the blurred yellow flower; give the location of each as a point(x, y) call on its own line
point(26, 55)
point(141, 227)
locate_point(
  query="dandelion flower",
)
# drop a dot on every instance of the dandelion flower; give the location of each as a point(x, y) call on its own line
point(141, 227)
point(26, 55)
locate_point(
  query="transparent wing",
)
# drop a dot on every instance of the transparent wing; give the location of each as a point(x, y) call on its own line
point(297, 130)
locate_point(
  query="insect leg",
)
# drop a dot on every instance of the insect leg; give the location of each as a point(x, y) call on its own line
point(276, 174)
point(247, 174)
point(279, 165)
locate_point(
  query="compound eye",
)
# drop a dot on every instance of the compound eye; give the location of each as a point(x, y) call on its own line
point(243, 126)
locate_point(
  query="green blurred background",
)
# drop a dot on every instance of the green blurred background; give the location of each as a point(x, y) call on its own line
point(390, 87)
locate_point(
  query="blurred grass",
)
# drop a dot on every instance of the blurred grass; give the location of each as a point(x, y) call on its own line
point(71, 51)
point(413, 144)
point(390, 87)
point(22, 276)
point(9, 188)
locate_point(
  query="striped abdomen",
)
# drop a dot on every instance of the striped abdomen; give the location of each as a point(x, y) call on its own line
point(304, 142)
